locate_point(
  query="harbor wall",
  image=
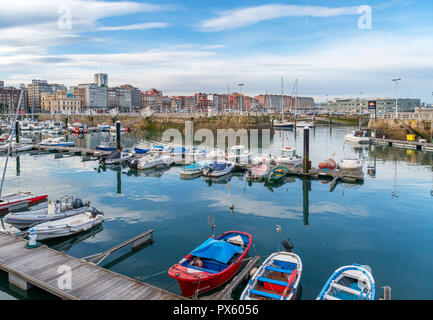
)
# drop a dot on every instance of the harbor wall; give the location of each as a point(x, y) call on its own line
point(398, 129)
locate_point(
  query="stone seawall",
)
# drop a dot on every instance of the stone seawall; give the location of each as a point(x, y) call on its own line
point(398, 129)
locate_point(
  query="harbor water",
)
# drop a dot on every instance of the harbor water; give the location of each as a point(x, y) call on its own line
point(385, 223)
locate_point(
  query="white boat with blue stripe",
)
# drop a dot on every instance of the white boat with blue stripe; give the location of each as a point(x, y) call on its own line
point(196, 168)
point(354, 282)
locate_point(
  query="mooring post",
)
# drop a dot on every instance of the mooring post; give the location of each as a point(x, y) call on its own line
point(306, 188)
point(306, 164)
point(17, 132)
point(118, 135)
point(330, 118)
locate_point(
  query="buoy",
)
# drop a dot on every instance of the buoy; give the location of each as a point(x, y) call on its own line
point(253, 272)
point(32, 243)
point(231, 205)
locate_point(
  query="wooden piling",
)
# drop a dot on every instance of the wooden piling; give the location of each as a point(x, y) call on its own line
point(118, 135)
point(306, 164)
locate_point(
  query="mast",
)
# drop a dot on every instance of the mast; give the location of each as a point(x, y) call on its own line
point(282, 99)
point(10, 142)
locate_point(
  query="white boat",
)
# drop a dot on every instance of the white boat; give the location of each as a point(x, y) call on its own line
point(218, 169)
point(216, 155)
point(67, 226)
point(104, 127)
point(116, 157)
point(262, 159)
point(6, 139)
point(16, 147)
point(289, 157)
point(354, 282)
point(7, 228)
point(195, 154)
point(258, 172)
point(151, 161)
point(283, 125)
point(277, 278)
point(65, 207)
point(351, 164)
point(59, 142)
point(239, 154)
point(196, 168)
point(357, 136)
point(302, 124)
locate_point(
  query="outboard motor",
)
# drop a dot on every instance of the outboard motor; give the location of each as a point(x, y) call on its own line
point(288, 245)
point(78, 203)
point(133, 164)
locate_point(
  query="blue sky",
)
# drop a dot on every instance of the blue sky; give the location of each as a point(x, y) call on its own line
point(191, 46)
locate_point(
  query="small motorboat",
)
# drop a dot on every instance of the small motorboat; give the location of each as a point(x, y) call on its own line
point(218, 169)
point(65, 207)
point(59, 142)
point(258, 172)
point(357, 136)
point(16, 200)
point(67, 226)
point(262, 159)
point(277, 278)
point(283, 125)
point(353, 282)
point(116, 157)
point(162, 149)
point(6, 139)
point(289, 157)
point(106, 145)
point(277, 174)
point(212, 263)
point(104, 127)
point(142, 149)
point(239, 154)
point(196, 168)
point(351, 165)
point(16, 147)
point(151, 161)
point(328, 164)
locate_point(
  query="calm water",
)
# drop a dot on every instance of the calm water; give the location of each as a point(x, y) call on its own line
point(386, 222)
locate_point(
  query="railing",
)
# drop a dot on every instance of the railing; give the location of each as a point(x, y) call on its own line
point(405, 116)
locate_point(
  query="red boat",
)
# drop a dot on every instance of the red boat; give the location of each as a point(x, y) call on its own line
point(212, 263)
point(19, 199)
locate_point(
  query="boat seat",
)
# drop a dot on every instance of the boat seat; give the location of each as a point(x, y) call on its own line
point(345, 289)
point(266, 294)
point(280, 283)
point(278, 269)
point(328, 297)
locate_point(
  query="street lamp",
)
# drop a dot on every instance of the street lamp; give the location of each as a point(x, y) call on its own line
point(242, 100)
point(396, 96)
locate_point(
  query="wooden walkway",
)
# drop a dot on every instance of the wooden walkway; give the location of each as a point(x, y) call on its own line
point(40, 267)
point(82, 151)
point(415, 145)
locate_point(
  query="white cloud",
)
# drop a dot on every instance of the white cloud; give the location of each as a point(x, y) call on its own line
point(138, 26)
point(251, 15)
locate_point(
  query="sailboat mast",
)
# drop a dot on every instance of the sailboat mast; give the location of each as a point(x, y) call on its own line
point(10, 142)
point(282, 97)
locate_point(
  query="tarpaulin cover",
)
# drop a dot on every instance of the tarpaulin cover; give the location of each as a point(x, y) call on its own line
point(218, 250)
point(218, 166)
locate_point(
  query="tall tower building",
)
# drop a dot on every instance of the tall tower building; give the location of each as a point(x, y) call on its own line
point(101, 79)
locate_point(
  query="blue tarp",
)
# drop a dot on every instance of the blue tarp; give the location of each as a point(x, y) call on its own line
point(218, 166)
point(218, 250)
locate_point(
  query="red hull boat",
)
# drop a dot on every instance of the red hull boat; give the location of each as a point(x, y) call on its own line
point(26, 199)
point(212, 263)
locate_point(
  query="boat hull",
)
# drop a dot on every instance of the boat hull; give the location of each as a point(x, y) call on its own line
point(29, 200)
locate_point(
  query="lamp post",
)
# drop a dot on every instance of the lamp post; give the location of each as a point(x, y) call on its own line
point(241, 101)
point(396, 96)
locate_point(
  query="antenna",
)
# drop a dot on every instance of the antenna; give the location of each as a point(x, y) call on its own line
point(210, 222)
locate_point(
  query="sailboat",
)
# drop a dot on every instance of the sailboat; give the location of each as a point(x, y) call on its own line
point(17, 199)
point(283, 125)
point(301, 124)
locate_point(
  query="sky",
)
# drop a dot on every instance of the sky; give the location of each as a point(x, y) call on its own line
point(334, 48)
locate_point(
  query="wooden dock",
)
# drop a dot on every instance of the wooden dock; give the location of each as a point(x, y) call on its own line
point(413, 145)
point(45, 268)
point(74, 150)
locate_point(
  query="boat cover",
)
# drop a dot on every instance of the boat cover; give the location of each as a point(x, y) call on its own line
point(218, 166)
point(179, 150)
point(218, 250)
point(114, 155)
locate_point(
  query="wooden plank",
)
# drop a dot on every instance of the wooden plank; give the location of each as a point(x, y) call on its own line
point(121, 291)
point(104, 290)
point(89, 291)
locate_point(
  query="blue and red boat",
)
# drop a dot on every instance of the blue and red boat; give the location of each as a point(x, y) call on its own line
point(212, 263)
